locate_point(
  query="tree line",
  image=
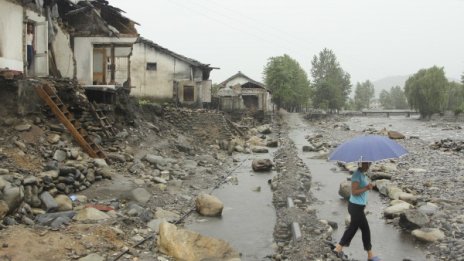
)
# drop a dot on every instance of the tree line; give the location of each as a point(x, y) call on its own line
point(428, 91)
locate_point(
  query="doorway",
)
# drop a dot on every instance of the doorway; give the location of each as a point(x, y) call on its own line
point(99, 66)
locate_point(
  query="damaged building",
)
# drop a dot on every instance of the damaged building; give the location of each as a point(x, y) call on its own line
point(161, 74)
point(74, 56)
point(241, 93)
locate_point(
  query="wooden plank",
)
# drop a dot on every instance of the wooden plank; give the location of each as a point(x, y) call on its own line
point(44, 92)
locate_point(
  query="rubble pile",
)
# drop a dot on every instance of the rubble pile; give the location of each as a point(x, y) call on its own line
point(448, 145)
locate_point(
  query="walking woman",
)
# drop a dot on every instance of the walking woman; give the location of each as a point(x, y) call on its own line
point(357, 203)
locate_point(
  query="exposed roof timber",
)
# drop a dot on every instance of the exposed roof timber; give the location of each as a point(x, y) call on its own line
point(96, 17)
point(176, 55)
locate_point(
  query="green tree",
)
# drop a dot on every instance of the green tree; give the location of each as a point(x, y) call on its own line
point(398, 98)
point(288, 82)
point(385, 99)
point(426, 91)
point(214, 89)
point(331, 85)
point(363, 95)
point(455, 97)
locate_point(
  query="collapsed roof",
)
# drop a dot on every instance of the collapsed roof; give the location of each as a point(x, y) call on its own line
point(95, 18)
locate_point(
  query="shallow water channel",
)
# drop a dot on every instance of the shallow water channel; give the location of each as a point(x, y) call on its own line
point(248, 217)
point(388, 242)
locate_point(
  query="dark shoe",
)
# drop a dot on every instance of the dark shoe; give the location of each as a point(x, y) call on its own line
point(375, 258)
point(340, 255)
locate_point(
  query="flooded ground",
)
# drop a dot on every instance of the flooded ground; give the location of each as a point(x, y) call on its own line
point(387, 241)
point(248, 218)
point(426, 130)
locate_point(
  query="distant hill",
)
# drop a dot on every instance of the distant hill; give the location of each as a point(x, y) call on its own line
point(388, 82)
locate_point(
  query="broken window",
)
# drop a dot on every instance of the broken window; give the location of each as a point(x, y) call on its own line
point(151, 66)
point(189, 93)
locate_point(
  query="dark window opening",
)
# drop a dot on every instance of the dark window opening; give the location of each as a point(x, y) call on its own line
point(189, 93)
point(251, 102)
point(151, 66)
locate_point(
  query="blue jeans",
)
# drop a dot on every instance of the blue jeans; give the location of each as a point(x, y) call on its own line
point(30, 56)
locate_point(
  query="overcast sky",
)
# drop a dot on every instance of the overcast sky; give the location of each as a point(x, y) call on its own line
point(372, 39)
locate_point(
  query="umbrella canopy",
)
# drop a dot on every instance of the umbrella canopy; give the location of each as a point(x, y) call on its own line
point(368, 148)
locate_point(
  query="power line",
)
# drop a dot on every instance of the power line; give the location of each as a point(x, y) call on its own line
point(279, 40)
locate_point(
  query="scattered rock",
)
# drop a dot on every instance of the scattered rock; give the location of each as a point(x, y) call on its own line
point(139, 195)
point(49, 202)
point(413, 219)
point(428, 234)
point(396, 210)
point(345, 190)
point(23, 127)
point(262, 165)
point(208, 205)
point(92, 257)
point(394, 135)
point(257, 149)
point(90, 214)
point(64, 203)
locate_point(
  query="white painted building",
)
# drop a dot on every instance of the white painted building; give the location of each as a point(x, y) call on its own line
point(240, 92)
point(101, 43)
point(14, 19)
point(161, 74)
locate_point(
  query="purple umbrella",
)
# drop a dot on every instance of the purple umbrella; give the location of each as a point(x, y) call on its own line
point(368, 148)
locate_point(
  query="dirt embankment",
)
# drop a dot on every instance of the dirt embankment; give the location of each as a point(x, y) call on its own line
point(172, 154)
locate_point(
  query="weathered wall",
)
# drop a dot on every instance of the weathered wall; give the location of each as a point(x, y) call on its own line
point(28, 100)
point(237, 80)
point(11, 36)
point(158, 83)
point(63, 53)
point(83, 53)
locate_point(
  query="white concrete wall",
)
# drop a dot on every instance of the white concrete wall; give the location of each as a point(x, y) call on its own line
point(11, 36)
point(158, 83)
point(63, 53)
point(237, 80)
point(83, 52)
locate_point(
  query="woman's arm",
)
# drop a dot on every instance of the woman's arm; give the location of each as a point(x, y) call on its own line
point(356, 190)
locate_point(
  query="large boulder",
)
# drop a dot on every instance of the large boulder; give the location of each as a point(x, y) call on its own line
point(259, 149)
point(262, 165)
point(345, 190)
point(394, 135)
point(428, 234)
point(308, 148)
point(64, 203)
point(397, 209)
point(413, 219)
point(272, 143)
point(382, 186)
point(3, 209)
point(428, 208)
point(13, 197)
point(394, 192)
point(208, 205)
point(264, 129)
point(191, 246)
point(379, 175)
point(139, 195)
point(91, 214)
point(408, 197)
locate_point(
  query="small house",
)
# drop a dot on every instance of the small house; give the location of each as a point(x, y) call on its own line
point(161, 74)
point(240, 92)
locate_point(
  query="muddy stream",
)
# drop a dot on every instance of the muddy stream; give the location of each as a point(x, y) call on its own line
point(248, 218)
point(388, 242)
